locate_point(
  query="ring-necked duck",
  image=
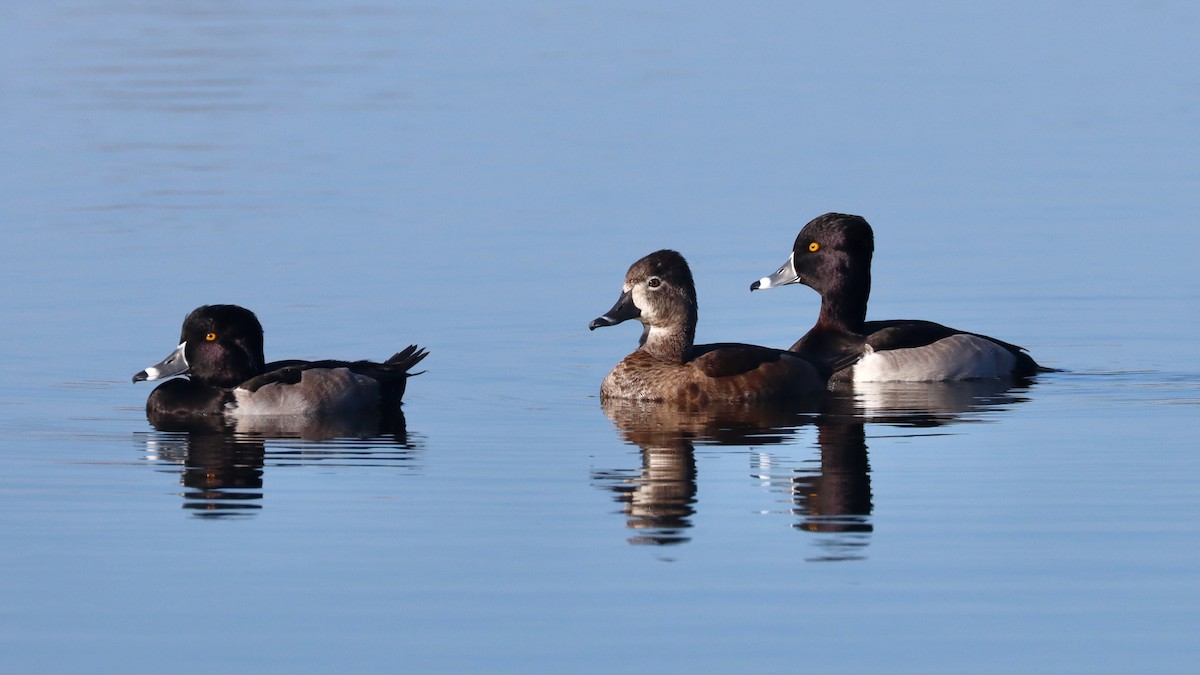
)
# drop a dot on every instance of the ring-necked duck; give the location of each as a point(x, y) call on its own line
point(832, 255)
point(221, 351)
point(660, 293)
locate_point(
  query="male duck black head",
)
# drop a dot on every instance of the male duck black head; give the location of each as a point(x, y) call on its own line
point(667, 366)
point(832, 255)
point(221, 353)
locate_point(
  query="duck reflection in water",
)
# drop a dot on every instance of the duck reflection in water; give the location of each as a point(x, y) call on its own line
point(221, 461)
point(833, 500)
point(836, 499)
point(659, 499)
point(221, 472)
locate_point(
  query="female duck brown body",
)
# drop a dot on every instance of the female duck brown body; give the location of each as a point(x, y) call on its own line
point(667, 366)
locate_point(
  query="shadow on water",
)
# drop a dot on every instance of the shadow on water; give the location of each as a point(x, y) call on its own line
point(221, 462)
point(829, 496)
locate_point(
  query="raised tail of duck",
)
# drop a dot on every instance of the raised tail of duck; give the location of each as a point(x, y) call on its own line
point(406, 359)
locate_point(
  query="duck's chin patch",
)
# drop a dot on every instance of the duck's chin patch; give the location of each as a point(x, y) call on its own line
point(958, 357)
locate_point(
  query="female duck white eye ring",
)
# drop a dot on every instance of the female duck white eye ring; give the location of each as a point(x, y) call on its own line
point(654, 282)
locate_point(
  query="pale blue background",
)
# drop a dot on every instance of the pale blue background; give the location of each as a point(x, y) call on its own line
point(476, 177)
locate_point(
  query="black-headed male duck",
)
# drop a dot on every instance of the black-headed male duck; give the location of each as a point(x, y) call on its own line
point(832, 255)
point(221, 352)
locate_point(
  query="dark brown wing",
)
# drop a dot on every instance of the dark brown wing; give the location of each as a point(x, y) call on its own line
point(726, 359)
point(731, 371)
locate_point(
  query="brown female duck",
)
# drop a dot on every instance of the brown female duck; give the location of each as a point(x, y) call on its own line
point(660, 293)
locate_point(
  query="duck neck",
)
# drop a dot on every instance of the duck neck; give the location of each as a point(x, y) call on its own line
point(668, 343)
point(845, 306)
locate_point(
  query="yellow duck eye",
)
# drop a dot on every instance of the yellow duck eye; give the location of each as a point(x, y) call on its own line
point(814, 246)
point(210, 337)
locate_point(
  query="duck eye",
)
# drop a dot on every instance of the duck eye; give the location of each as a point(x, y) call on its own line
point(814, 247)
point(654, 282)
point(210, 337)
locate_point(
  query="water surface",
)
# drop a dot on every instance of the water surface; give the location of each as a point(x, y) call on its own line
point(475, 178)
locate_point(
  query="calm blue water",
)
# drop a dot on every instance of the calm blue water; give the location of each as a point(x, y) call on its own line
point(475, 178)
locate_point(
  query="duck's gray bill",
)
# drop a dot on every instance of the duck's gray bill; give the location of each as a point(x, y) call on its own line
point(175, 364)
point(783, 276)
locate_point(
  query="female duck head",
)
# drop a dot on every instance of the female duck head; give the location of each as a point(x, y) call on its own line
point(659, 292)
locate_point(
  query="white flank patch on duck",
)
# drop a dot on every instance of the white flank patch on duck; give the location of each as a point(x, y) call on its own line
point(958, 357)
